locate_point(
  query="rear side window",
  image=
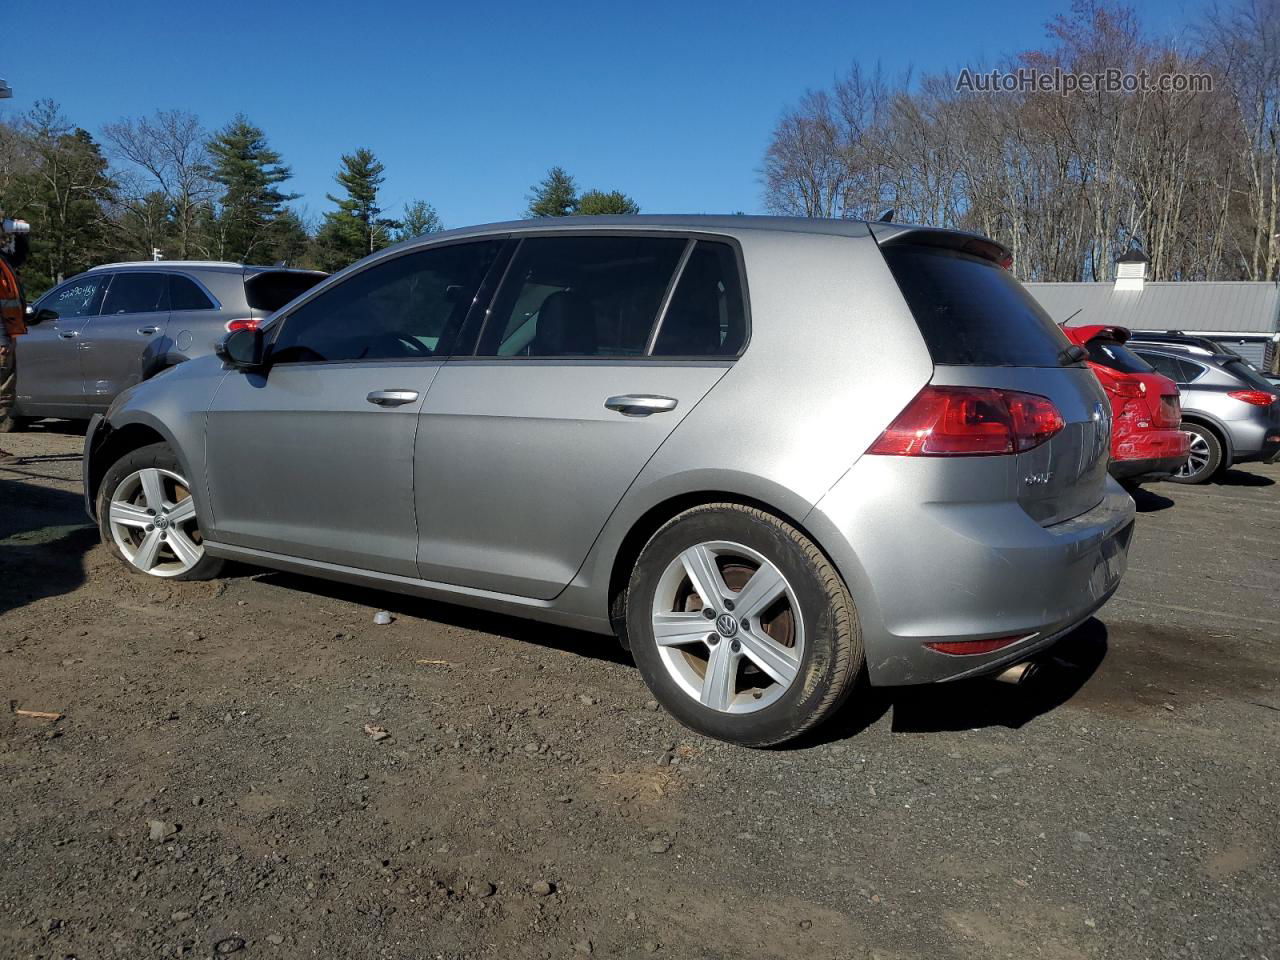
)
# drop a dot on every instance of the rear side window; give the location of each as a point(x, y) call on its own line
point(706, 316)
point(137, 293)
point(972, 311)
point(581, 297)
point(1179, 371)
point(1245, 373)
point(185, 295)
point(272, 289)
point(1116, 356)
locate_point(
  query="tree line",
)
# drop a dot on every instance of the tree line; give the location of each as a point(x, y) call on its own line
point(166, 184)
point(1067, 182)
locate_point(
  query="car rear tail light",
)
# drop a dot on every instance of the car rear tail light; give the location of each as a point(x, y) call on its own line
point(968, 422)
point(968, 648)
point(1259, 398)
point(243, 323)
point(1129, 389)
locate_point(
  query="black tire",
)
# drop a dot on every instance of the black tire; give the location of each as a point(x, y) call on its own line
point(832, 658)
point(160, 456)
point(1202, 435)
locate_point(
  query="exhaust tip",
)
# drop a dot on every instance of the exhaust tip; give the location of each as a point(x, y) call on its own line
point(1017, 674)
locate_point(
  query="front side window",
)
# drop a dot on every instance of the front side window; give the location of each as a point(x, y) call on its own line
point(137, 293)
point(581, 297)
point(80, 297)
point(706, 317)
point(408, 307)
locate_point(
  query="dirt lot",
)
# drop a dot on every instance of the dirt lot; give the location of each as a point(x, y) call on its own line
point(211, 788)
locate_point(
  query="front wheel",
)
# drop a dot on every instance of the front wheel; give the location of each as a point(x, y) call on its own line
point(1205, 457)
point(741, 627)
point(147, 514)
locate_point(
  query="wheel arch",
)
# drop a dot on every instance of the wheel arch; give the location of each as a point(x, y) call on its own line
point(648, 523)
point(1219, 430)
point(115, 440)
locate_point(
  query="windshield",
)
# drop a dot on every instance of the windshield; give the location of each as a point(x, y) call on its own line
point(1116, 356)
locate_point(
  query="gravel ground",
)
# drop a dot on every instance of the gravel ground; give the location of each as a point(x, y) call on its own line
point(213, 787)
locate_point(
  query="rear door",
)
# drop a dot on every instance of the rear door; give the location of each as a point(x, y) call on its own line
point(134, 315)
point(983, 328)
point(594, 350)
point(48, 355)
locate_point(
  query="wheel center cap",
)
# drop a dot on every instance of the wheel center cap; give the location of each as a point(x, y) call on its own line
point(162, 522)
point(726, 625)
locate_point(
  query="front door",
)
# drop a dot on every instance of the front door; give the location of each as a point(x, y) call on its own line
point(591, 356)
point(134, 313)
point(48, 354)
point(314, 457)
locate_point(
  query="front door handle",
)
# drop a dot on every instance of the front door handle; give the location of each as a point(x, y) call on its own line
point(392, 398)
point(69, 335)
point(148, 331)
point(640, 404)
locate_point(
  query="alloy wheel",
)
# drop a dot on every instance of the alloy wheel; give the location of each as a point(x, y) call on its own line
point(728, 627)
point(153, 521)
point(1197, 459)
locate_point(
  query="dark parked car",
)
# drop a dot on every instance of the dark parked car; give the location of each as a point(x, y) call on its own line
point(115, 325)
point(1230, 410)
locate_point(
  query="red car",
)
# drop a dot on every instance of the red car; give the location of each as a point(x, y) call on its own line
point(1146, 443)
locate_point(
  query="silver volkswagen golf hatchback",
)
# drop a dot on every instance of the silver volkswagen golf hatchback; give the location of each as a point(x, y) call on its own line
point(778, 458)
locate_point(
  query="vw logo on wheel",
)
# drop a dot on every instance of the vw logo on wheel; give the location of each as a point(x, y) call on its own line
point(726, 624)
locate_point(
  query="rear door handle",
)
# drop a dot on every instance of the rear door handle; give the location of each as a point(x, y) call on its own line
point(640, 404)
point(69, 335)
point(392, 398)
point(148, 331)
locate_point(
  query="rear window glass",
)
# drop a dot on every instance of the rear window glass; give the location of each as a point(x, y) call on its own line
point(272, 289)
point(1116, 356)
point(1246, 373)
point(972, 311)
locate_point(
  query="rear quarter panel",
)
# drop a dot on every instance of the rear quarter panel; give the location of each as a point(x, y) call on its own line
point(834, 355)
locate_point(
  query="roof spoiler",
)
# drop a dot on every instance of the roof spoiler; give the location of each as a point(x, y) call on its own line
point(972, 243)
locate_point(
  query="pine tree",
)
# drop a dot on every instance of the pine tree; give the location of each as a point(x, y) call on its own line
point(355, 229)
point(420, 218)
point(597, 202)
point(249, 172)
point(555, 196)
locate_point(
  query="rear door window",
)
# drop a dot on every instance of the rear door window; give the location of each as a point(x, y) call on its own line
point(1116, 356)
point(971, 311)
point(137, 293)
point(581, 297)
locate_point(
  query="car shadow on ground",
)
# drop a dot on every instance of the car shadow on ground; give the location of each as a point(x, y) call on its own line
point(1059, 675)
point(1148, 501)
point(1239, 478)
point(596, 646)
point(44, 536)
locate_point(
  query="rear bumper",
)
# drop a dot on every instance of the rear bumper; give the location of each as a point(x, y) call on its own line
point(967, 571)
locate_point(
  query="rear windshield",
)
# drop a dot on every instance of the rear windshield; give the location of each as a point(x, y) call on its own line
point(1116, 356)
point(272, 289)
point(1245, 372)
point(972, 311)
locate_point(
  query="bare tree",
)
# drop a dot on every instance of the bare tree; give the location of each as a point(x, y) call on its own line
point(170, 148)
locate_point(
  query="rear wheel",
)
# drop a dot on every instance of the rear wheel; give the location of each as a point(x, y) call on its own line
point(146, 512)
point(1205, 457)
point(741, 627)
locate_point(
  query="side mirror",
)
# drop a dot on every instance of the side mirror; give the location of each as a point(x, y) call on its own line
point(35, 316)
point(242, 349)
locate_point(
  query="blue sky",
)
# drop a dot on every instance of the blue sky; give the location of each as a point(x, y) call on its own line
point(468, 104)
